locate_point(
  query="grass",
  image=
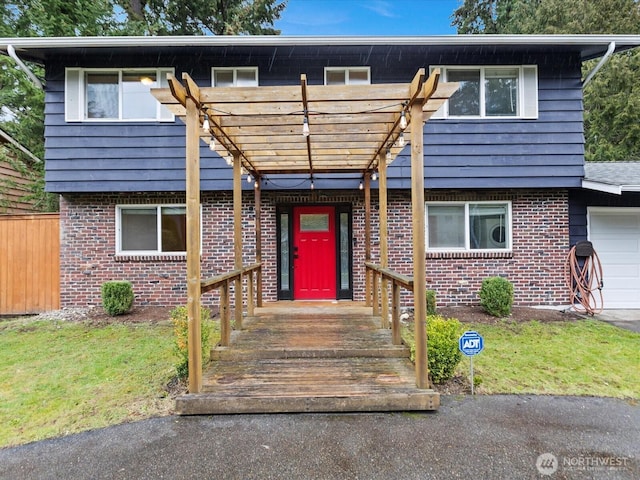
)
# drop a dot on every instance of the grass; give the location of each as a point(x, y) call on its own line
point(585, 357)
point(58, 378)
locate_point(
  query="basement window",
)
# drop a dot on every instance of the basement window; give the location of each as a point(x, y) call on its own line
point(151, 229)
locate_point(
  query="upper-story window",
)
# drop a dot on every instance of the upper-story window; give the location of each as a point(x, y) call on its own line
point(115, 94)
point(347, 76)
point(234, 77)
point(491, 92)
point(468, 226)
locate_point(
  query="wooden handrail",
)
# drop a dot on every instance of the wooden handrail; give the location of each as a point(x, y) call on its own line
point(397, 281)
point(222, 282)
point(403, 280)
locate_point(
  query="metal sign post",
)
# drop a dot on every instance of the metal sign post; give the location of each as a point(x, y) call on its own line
point(470, 344)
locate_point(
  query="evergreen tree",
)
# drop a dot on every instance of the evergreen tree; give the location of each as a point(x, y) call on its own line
point(611, 100)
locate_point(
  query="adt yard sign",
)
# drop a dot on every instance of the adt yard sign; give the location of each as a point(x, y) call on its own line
point(471, 343)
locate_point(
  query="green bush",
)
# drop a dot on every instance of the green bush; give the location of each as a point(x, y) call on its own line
point(117, 297)
point(496, 296)
point(442, 347)
point(431, 302)
point(180, 321)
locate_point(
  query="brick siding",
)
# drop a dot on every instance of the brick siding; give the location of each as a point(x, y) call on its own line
point(88, 246)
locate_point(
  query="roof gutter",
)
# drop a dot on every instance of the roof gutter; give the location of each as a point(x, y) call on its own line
point(603, 60)
point(12, 53)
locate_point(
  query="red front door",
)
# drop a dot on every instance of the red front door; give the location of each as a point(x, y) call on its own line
point(314, 253)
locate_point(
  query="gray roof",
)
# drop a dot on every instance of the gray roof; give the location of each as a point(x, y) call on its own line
point(612, 177)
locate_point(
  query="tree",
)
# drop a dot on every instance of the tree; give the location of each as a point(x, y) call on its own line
point(611, 100)
point(22, 103)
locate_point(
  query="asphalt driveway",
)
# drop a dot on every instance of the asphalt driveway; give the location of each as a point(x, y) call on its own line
point(497, 437)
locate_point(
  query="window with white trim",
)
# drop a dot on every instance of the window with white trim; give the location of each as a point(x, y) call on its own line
point(115, 94)
point(347, 75)
point(151, 229)
point(234, 77)
point(468, 226)
point(491, 92)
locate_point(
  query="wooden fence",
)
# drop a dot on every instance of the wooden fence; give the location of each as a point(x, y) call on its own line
point(29, 263)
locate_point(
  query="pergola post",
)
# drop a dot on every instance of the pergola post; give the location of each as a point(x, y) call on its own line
point(419, 264)
point(193, 242)
point(384, 235)
point(367, 241)
point(258, 209)
point(237, 235)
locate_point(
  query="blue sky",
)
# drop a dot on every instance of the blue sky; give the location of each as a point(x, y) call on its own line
point(368, 17)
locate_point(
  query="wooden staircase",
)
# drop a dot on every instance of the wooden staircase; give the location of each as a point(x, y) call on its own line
point(317, 358)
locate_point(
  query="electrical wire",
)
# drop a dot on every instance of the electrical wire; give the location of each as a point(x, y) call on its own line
point(584, 282)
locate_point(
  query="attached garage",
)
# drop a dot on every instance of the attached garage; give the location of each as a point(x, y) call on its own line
point(615, 234)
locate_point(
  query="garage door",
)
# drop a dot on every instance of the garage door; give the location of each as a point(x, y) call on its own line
point(615, 234)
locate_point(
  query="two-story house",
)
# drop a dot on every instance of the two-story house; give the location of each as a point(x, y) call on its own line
point(503, 164)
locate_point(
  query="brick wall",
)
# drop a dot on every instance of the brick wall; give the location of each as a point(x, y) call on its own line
point(88, 234)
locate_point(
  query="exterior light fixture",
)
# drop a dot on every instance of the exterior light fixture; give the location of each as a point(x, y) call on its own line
point(403, 120)
point(374, 176)
point(401, 141)
point(361, 186)
point(305, 126)
point(249, 179)
point(205, 123)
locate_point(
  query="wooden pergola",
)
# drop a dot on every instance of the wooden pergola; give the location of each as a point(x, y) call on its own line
point(309, 130)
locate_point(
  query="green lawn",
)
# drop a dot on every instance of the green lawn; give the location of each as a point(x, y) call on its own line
point(58, 378)
point(585, 357)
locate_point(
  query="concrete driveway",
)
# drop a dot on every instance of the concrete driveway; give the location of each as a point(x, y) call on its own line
point(487, 437)
point(627, 319)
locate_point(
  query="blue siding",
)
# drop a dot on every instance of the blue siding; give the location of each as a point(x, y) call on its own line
point(128, 156)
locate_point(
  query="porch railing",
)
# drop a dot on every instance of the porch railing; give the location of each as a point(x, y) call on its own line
point(375, 274)
point(222, 282)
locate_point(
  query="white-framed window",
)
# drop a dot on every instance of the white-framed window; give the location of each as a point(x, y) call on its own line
point(468, 226)
point(151, 229)
point(234, 77)
point(93, 94)
point(347, 75)
point(491, 92)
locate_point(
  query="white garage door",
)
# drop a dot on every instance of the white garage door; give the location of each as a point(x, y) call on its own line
point(615, 234)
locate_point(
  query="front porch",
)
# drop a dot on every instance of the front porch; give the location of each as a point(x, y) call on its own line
point(309, 357)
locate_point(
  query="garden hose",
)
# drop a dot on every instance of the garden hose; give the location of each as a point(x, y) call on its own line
point(583, 272)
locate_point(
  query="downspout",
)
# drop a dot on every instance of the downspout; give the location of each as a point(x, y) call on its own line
point(603, 60)
point(12, 53)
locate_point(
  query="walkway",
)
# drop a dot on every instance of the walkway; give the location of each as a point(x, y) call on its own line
point(310, 357)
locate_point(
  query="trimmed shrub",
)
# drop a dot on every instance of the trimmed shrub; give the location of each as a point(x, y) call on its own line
point(180, 321)
point(117, 297)
point(496, 296)
point(431, 302)
point(442, 347)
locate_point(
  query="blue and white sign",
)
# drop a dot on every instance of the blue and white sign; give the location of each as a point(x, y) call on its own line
point(471, 343)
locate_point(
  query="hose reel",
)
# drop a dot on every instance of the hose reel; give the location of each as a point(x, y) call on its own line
point(583, 272)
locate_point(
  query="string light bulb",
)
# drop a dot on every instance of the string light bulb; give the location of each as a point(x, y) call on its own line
point(229, 160)
point(361, 186)
point(305, 126)
point(312, 186)
point(205, 123)
point(212, 144)
point(374, 176)
point(256, 185)
point(401, 141)
point(388, 155)
point(249, 179)
point(403, 120)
